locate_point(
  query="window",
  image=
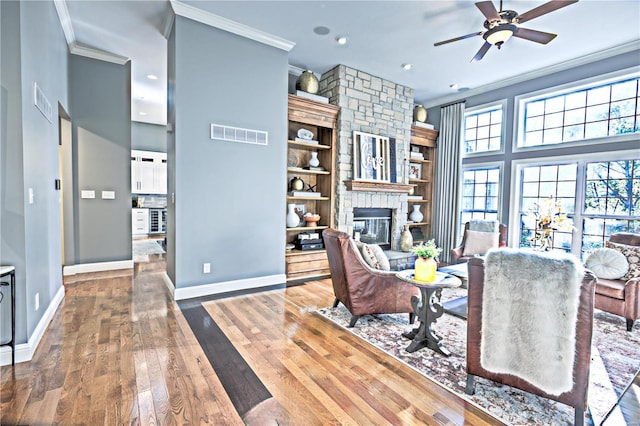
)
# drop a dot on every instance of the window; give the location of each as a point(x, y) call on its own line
point(601, 198)
point(589, 112)
point(542, 181)
point(480, 193)
point(483, 130)
point(612, 201)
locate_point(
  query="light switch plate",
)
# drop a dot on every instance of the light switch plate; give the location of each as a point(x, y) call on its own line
point(87, 194)
point(108, 195)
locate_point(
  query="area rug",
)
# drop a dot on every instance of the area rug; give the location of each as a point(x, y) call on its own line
point(143, 248)
point(615, 362)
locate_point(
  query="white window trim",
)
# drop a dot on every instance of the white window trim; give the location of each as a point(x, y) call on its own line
point(475, 166)
point(482, 108)
point(520, 100)
point(516, 171)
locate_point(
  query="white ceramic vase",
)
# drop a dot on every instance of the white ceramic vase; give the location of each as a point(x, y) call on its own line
point(293, 219)
point(313, 161)
point(416, 214)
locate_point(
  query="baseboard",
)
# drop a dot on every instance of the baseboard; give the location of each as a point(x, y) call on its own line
point(227, 286)
point(25, 351)
point(97, 267)
point(170, 286)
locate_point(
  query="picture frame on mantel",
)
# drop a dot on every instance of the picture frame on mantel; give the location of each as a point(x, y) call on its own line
point(371, 157)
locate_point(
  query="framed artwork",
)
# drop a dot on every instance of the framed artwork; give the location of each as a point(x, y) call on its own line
point(415, 170)
point(371, 157)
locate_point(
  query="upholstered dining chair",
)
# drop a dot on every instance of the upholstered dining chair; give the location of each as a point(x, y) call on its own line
point(530, 319)
point(361, 288)
point(479, 236)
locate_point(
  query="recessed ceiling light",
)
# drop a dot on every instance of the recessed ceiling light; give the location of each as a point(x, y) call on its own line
point(152, 77)
point(406, 67)
point(321, 30)
point(342, 39)
point(142, 113)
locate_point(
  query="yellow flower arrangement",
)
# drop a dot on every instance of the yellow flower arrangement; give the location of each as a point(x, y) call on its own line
point(549, 217)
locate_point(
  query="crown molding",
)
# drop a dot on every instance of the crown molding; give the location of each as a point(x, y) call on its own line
point(65, 21)
point(233, 27)
point(167, 25)
point(90, 52)
point(583, 60)
point(295, 71)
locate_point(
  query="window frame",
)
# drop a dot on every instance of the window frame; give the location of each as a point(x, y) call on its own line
point(564, 89)
point(502, 104)
point(578, 216)
point(479, 166)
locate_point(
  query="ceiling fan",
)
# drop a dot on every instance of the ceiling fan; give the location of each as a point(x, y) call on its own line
point(501, 26)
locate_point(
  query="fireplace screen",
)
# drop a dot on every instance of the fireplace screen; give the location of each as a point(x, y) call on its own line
point(372, 226)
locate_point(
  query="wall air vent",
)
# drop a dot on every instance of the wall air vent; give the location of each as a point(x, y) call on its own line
point(237, 134)
point(42, 103)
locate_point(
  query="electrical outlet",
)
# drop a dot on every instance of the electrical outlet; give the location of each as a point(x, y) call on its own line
point(206, 268)
point(37, 301)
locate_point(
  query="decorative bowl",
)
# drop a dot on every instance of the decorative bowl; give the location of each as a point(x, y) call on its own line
point(312, 219)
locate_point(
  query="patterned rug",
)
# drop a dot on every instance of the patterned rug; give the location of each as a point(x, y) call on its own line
point(615, 360)
point(143, 248)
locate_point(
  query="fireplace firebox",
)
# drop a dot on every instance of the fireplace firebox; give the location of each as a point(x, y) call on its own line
point(372, 226)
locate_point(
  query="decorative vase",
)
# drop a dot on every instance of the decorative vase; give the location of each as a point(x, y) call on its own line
point(293, 219)
point(296, 184)
point(425, 269)
point(313, 161)
point(416, 214)
point(406, 240)
point(307, 82)
point(419, 114)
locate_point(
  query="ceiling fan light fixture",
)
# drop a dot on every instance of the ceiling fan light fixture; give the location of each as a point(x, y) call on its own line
point(499, 34)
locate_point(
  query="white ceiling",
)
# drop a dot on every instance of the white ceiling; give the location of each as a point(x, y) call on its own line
point(383, 35)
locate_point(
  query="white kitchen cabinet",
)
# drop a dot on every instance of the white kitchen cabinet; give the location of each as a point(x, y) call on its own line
point(140, 221)
point(148, 172)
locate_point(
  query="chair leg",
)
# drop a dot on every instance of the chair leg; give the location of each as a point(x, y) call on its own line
point(335, 303)
point(470, 389)
point(578, 417)
point(412, 318)
point(629, 324)
point(354, 319)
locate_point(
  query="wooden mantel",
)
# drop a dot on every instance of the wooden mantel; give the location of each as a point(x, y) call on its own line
point(363, 186)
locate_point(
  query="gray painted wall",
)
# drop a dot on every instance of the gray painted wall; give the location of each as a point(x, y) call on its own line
point(100, 94)
point(230, 197)
point(509, 93)
point(148, 137)
point(33, 51)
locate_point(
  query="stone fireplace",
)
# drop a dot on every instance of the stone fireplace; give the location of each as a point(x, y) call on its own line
point(373, 226)
point(372, 105)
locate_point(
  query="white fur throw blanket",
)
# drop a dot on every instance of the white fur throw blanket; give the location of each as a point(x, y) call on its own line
point(529, 311)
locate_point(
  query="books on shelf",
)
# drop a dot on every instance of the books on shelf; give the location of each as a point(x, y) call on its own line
point(312, 96)
point(423, 125)
point(305, 194)
point(417, 155)
point(316, 169)
point(415, 197)
point(310, 141)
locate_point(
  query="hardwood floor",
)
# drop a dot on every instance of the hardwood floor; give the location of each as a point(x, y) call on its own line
point(120, 351)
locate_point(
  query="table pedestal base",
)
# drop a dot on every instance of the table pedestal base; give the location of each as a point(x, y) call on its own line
point(428, 309)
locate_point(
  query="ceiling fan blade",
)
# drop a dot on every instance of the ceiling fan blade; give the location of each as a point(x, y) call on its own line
point(458, 38)
point(488, 10)
point(533, 35)
point(483, 50)
point(544, 9)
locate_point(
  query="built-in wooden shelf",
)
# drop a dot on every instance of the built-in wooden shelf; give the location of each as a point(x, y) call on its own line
point(307, 145)
point(366, 186)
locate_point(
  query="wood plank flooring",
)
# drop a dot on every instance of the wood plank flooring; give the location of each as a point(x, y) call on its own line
point(120, 351)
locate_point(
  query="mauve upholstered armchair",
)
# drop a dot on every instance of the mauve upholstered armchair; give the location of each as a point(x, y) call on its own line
point(458, 254)
point(620, 297)
point(361, 288)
